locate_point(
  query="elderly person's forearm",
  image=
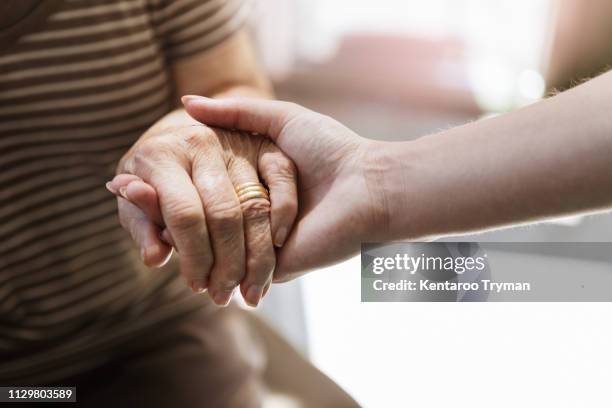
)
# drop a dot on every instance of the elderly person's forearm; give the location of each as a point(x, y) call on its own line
point(231, 69)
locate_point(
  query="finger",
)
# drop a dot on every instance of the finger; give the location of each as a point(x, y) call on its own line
point(249, 114)
point(120, 180)
point(260, 256)
point(224, 220)
point(141, 194)
point(183, 213)
point(280, 176)
point(166, 236)
point(153, 252)
point(144, 196)
point(266, 289)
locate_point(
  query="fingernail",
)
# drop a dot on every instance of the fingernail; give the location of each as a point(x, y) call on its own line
point(109, 187)
point(123, 192)
point(146, 251)
point(190, 98)
point(165, 261)
point(253, 295)
point(222, 298)
point(281, 236)
point(198, 286)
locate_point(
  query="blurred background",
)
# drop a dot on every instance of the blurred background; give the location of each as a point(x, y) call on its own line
point(400, 69)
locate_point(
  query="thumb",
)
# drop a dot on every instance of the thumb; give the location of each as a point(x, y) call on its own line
point(261, 116)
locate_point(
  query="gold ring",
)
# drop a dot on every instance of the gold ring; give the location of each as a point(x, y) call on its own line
point(251, 190)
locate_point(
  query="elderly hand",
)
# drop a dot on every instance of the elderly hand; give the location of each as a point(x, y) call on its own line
point(341, 191)
point(181, 178)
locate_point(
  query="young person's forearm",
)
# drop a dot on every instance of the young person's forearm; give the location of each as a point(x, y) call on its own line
point(548, 160)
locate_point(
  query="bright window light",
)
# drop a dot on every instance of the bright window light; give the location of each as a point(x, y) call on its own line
point(506, 42)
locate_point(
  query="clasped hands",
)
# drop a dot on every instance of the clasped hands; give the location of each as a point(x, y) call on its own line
point(176, 188)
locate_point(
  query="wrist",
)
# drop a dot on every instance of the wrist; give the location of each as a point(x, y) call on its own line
point(386, 173)
point(400, 181)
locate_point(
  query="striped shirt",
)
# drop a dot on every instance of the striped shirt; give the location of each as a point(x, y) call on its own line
point(80, 81)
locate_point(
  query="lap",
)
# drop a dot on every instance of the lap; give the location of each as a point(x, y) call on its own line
point(204, 360)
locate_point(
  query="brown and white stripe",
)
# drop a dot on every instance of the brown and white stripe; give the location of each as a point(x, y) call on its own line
point(79, 83)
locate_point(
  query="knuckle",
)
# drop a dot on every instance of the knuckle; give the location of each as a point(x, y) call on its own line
point(196, 260)
point(197, 137)
point(283, 171)
point(149, 153)
point(225, 217)
point(186, 219)
point(287, 206)
point(138, 161)
point(286, 168)
point(256, 209)
point(151, 149)
point(197, 256)
point(259, 269)
point(192, 140)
